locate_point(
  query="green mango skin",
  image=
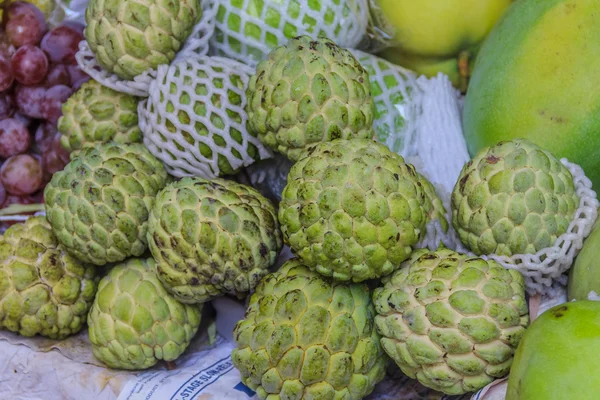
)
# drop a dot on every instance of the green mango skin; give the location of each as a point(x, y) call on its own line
point(584, 276)
point(536, 77)
point(557, 358)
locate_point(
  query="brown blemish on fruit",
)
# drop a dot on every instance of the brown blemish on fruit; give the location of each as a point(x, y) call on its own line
point(560, 312)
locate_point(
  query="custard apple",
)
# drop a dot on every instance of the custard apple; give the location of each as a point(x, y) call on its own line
point(248, 30)
point(451, 321)
point(513, 198)
point(211, 238)
point(307, 337)
point(43, 289)
point(393, 89)
point(306, 92)
point(354, 210)
point(194, 120)
point(99, 205)
point(134, 322)
point(129, 37)
point(96, 113)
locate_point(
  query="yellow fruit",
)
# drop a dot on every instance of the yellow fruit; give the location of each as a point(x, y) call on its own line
point(429, 35)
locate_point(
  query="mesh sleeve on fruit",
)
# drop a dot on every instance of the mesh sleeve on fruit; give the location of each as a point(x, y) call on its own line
point(196, 43)
point(247, 30)
point(194, 119)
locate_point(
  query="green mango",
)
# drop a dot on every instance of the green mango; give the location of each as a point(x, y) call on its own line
point(536, 77)
point(584, 276)
point(558, 357)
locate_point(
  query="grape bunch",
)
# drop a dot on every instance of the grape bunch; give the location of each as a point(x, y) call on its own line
point(38, 73)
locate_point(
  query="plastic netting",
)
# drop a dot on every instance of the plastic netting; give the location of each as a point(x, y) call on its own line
point(194, 119)
point(196, 44)
point(247, 30)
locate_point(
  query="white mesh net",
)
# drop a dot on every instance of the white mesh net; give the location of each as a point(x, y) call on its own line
point(194, 118)
point(247, 30)
point(196, 43)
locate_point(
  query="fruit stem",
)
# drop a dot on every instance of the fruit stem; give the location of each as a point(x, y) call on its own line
point(464, 73)
point(14, 210)
point(171, 366)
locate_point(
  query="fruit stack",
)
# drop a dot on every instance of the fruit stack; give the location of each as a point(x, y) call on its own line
point(38, 72)
point(146, 221)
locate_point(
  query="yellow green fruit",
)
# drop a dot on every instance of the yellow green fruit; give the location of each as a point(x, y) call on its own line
point(557, 358)
point(584, 276)
point(430, 35)
point(534, 79)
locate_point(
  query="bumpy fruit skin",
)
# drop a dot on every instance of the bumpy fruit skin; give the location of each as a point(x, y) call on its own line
point(99, 205)
point(532, 79)
point(130, 36)
point(307, 337)
point(558, 354)
point(212, 238)
point(451, 321)
point(134, 322)
point(306, 92)
point(353, 210)
point(96, 113)
point(43, 289)
point(513, 198)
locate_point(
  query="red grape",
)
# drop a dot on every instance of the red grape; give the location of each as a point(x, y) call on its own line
point(22, 118)
point(30, 65)
point(17, 8)
point(2, 195)
point(61, 44)
point(44, 136)
point(6, 74)
point(29, 100)
point(53, 100)
point(78, 77)
point(58, 74)
point(76, 26)
point(6, 106)
point(14, 138)
point(21, 175)
point(27, 199)
point(25, 29)
point(54, 158)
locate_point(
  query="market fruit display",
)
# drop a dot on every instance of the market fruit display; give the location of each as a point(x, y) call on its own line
point(522, 86)
point(451, 321)
point(247, 31)
point(212, 238)
point(307, 337)
point(99, 205)
point(433, 36)
point(134, 322)
point(96, 114)
point(354, 210)
point(513, 198)
point(43, 289)
point(37, 73)
point(584, 275)
point(309, 91)
point(130, 37)
point(211, 138)
point(557, 357)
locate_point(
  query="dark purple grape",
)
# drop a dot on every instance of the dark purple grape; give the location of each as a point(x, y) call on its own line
point(53, 100)
point(30, 65)
point(17, 8)
point(61, 44)
point(58, 74)
point(29, 100)
point(7, 107)
point(25, 29)
point(6, 74)
point(14, 138)
point(21, 175)
point(2, 195)
point(78, 77)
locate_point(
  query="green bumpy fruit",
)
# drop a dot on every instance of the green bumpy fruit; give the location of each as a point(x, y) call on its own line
point(307, 337)
point(513, 198)
point(43, 290)
point(212, 238)
point(532, 80)
point(134, 322)
point(129, 37)
point(353, 209)
point(306, 92)
point(99, 205)
point(97, 114)
point(558, 355)
point(451, 321)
